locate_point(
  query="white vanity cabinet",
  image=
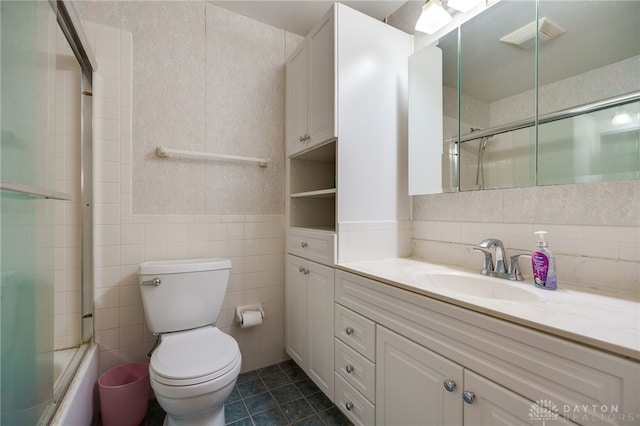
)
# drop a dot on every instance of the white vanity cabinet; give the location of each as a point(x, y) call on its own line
point(438, 363)
point(309, 296)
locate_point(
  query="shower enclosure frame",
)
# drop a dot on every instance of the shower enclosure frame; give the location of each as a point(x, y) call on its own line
point(72, 30)
point(71, 27)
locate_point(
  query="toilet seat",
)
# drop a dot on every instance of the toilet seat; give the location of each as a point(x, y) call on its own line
point(192, 357)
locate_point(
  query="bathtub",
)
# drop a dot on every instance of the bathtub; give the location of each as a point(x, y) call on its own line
point(77, 406)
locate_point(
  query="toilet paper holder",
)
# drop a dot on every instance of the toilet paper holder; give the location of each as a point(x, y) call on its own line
point(241, 309)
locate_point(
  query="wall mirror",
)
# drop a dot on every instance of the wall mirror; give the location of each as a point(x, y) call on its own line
point(523, 107)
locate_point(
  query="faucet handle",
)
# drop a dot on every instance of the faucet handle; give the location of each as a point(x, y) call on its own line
point(514, 268)
point(490, 242)
point(487, 267)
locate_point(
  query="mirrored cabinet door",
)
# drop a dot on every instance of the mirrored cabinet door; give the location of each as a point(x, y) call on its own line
point(497, 87)
point(594, 58)
point(451, 111)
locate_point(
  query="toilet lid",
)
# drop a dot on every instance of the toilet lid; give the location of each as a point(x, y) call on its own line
point(202, 354)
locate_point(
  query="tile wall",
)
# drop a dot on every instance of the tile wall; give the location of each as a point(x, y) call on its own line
point(207, 80)
point(67, 214)
point(148, 208)
point(255, 245)
point(373, 240)
point(594, 230)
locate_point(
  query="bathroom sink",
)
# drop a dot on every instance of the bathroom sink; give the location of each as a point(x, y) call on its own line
point(481, 286)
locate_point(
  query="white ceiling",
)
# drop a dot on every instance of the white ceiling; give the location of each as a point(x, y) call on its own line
point(299, 17)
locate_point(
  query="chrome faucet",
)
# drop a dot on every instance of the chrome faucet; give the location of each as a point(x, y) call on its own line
point(500, 253)
point(500, 269)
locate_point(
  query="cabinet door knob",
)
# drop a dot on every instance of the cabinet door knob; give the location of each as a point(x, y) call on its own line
point(301, 269)
point(348, 405)
point(307, 137)
point(349, 369)
point(304, 244)
point(349, 331)
point(468, 397)
point(449, 385)
point(302, 138)
point(306, 271)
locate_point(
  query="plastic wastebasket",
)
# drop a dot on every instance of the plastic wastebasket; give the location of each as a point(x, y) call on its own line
point(124, 394)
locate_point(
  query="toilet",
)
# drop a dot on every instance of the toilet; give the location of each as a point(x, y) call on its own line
point(194, 367)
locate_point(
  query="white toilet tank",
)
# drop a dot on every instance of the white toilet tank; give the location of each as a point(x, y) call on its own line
point(189, 293)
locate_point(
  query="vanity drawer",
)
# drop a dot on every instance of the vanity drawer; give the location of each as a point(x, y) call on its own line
point(313, 245)
point(356, 331)
point(358, 371)
point(355, 406)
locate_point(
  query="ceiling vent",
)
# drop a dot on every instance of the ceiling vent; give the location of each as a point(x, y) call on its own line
point(524, 38)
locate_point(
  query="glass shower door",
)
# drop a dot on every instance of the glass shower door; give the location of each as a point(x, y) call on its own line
point(27, 86)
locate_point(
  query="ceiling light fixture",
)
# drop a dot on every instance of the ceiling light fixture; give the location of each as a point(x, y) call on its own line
point(463, 5)
point(433, 17)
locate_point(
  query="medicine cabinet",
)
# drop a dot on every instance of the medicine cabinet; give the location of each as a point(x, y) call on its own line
point(522, 107)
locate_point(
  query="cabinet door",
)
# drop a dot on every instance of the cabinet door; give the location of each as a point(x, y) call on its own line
point(296, 100)
point(321, 83)
point(494, 405)
point(410, 384)
point(296, 310)
point(320, 319)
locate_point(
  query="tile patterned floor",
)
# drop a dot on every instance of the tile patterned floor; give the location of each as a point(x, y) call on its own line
point(278, 395)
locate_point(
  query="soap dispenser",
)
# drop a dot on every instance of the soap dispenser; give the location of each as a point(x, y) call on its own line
point(543, 264)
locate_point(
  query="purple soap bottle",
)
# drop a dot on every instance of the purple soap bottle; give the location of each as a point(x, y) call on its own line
point(543, 264)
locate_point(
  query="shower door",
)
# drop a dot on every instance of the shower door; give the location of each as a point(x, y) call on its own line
point(27, 160)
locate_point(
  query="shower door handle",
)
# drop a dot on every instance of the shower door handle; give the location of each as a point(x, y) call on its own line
point(156, 282)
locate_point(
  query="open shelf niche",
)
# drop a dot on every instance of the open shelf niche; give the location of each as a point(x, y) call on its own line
point(313, 188)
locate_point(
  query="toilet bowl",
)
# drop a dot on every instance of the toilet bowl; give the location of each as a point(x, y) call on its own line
point(188, 385)
point(193, 370)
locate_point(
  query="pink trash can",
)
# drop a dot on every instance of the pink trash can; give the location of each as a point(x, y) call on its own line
point(124, 394)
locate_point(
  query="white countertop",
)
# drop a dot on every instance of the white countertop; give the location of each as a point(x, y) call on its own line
point(606, 323)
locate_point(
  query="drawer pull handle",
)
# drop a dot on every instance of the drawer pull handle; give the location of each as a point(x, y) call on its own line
point(449, 385)
point(468, 397)
point(303, 244)
point(348, 405)
point(349, 331)
point(349, 369)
